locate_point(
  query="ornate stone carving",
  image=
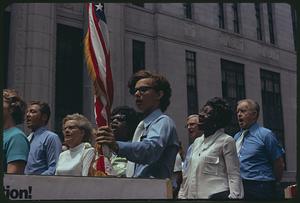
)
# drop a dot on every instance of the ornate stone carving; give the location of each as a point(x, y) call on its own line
point(232, 42)
point(270, 53)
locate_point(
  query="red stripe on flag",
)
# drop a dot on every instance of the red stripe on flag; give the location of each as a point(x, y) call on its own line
point(95, 19)
point(108, 81)
point(95, 66)
point(101, 121)
point(102, 83)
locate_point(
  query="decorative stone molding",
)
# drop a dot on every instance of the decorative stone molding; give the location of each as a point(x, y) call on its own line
point(231, 42)
point(270, 53)
point(235, 43)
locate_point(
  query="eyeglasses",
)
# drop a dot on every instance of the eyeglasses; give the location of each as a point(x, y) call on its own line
point(207, 112)
point(192, 125)
point(118, 117)
point(142, 90)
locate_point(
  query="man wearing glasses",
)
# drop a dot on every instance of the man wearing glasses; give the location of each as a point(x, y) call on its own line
point(153, 149)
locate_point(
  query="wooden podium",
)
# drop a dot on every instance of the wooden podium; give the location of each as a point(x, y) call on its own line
point(36, 187)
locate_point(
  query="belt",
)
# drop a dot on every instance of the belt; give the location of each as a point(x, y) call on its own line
point(258, 181)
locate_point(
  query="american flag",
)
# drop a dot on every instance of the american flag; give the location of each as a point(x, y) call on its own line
point(97, 55)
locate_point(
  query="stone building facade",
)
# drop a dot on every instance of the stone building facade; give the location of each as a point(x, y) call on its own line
point(204, 49)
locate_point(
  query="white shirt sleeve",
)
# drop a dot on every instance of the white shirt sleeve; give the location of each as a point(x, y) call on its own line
point(87, 160)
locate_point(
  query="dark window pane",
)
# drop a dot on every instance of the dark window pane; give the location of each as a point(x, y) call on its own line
point(235, 18)
point(258, 21)
point(138, 55)
point(233, 89)
point(69, 73)
point(191, 78)
point(270, 20)
point(187, 10)
point(294, 21)
point(221, 16)
point(271, 103)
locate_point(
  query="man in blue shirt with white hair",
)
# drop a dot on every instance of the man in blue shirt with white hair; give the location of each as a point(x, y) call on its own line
point(260, 154)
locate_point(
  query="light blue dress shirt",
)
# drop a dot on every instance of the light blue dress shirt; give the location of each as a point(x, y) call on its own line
point(187, 159)
point(155, 154)
point(260, 148)
point(45, 147)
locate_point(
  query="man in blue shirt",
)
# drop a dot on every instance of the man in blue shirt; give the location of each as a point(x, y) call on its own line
point(45, 146)
point(155, 143)
point(260, 154)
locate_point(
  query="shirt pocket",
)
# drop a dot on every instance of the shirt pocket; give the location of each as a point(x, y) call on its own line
point(211, 164)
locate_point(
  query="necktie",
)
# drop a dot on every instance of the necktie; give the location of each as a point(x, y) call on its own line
point(136, 138)
point(239, 142)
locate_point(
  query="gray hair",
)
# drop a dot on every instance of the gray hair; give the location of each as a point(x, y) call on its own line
point(253, 104)
point(82, 123)
point(192, 116)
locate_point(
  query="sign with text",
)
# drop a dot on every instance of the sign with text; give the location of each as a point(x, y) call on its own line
point(35, 187)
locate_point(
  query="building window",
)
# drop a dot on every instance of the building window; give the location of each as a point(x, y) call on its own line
point(233, 89)
point(69, 73)
point(187, 10)
point(221, 16)
point(258, 21)
point(271, 25)
point(236, 27)
point(6, 46)
point(271, 103)
point(191, 82)
point(139, 4)
point(294, 22)
point(138, 55)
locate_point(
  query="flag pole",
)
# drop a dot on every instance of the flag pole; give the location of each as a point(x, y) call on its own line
point(97, 55)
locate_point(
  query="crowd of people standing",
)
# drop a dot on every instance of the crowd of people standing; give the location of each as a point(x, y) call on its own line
point(145, 145)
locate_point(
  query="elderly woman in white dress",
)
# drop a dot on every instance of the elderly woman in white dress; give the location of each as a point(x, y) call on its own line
point(76, 160)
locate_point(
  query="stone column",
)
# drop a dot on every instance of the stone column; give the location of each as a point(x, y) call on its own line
point(31, 66)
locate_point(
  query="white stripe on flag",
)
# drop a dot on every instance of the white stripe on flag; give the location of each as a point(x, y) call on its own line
point(97, 47)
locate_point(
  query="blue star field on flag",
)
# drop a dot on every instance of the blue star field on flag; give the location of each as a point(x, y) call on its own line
point(99, 10)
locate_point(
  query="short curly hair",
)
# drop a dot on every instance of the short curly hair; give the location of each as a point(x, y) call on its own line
point(132, 118)
point(16, 105)
point(160, 83)
point(222, 111)
point(82, 123)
